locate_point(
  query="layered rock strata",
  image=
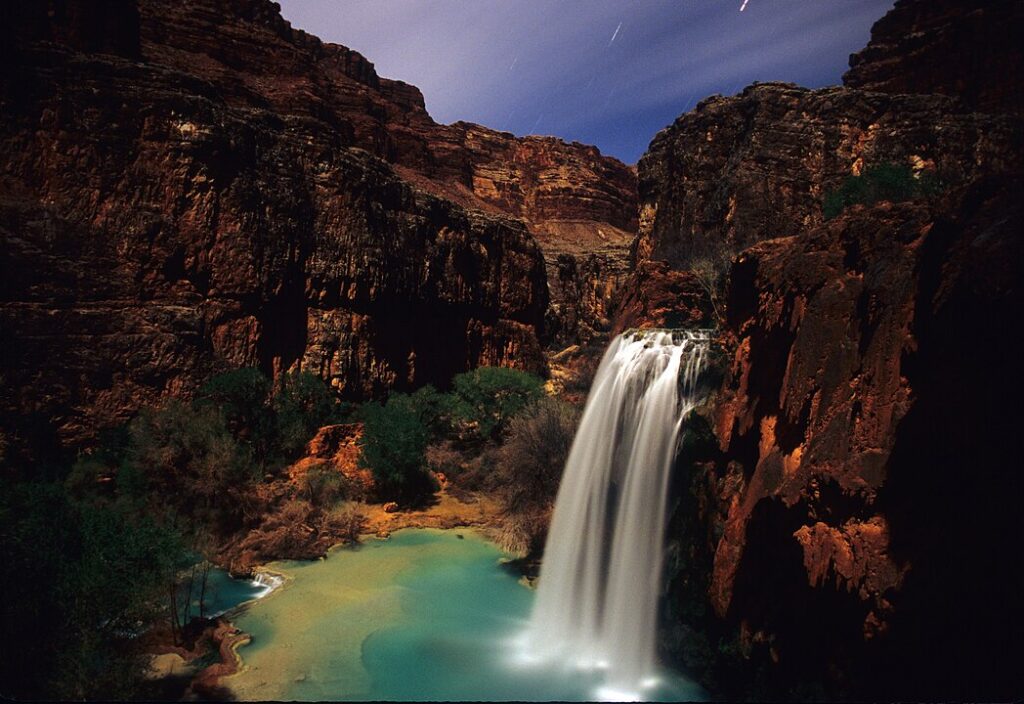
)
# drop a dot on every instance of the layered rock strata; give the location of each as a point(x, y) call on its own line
point(843, 515)
point(968, 49)
point(574, 200)
point(192, 187)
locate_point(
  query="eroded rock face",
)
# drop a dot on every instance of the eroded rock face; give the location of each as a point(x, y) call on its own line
point(191, 187)
point(154, 233)
point(573, 199)
point(847, 514)
point(969, 49)
point(843, 517)
point(757, 166)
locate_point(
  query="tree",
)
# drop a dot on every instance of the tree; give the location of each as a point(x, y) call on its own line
point(303, 403)
point(393, 448)
point(88, 577)
point(243, 397)
point(709, 270)
point(182, 459)
point(488, 397)
point(529, 470)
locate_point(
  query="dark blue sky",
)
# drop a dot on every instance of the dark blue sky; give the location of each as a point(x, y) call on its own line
point(604, 72)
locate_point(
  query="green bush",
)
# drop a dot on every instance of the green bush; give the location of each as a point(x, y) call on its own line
point(488, 397)
point(302, 405)
point(891, 182)
point(434, 409)
point(393, 446)
point(86, 578)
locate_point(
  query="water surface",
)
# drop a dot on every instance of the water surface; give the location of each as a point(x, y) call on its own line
point(426, 615)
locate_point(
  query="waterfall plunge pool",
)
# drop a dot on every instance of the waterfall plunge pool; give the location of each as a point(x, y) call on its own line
point(425, 615)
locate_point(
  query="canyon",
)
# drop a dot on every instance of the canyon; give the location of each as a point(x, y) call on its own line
point(185, 190)
point(192, 189)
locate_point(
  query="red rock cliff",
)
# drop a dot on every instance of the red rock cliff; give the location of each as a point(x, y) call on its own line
point(843, 528)
point(970, 49)
point(193, 186)
point(576, 201)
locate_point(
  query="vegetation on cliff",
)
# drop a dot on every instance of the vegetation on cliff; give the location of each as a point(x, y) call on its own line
point(892, 182)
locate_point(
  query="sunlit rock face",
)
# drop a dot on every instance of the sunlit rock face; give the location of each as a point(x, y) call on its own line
point(837, 534)
point(188, 188)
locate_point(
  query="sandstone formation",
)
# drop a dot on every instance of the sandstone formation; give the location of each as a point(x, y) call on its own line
point(192, 187)
point(842, 517)
point(574, 200)
point(850, 502)
point(757, 166)
point(970, 49)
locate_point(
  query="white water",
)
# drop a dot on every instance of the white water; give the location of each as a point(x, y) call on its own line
point(267, 582)
point(597, 599)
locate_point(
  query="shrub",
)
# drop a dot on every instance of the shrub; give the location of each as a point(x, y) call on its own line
point(347, 522)
point(302, 405)
point(286, 534)
point(393, 448)
point(488, 397)
point(324, 486)
point(184, 459)
point(892, 182)
point(530, 468)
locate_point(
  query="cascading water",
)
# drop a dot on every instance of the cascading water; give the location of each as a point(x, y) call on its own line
point(597, 599)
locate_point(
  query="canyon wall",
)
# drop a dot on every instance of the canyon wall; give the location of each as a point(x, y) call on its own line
point(967, 49)
point(579, 204)
point(192, 187)
point(847, 495)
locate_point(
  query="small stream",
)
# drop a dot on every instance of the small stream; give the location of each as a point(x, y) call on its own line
point(224, 592)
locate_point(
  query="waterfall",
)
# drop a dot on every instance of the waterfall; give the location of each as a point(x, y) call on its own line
point(597, 599)
point(267, 582)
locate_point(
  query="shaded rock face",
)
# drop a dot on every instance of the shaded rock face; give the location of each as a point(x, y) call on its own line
point(848, 521)
point(191, 187)
point(756, 166)
point(573, 199)
point(846, 499)
point(967, 49)
point(153, 233)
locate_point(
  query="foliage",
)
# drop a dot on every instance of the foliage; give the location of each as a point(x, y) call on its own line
point(302, 404)
point(434, 409)
point(85, 578)
point(393, 446)
point(710, 270)
point(286, 534)
point(243, 397)
point(529, 469)
point(488, 397)
point(185, 458)
point(323, 485)
point(347, 522)
point(891, 182)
